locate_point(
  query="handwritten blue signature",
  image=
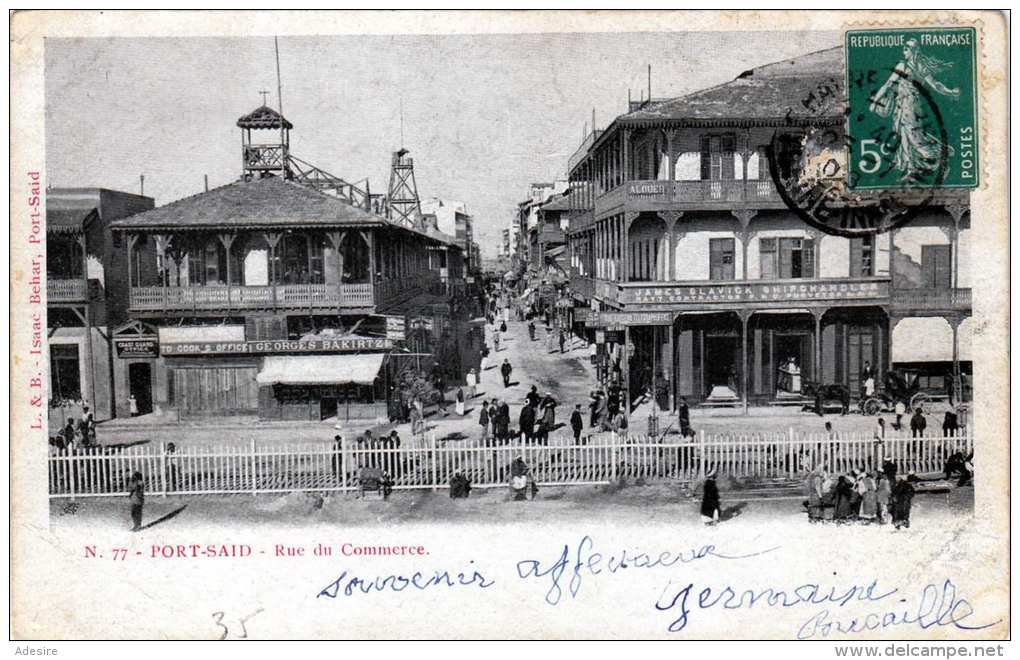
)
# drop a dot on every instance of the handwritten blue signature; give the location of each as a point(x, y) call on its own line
point(583, 560)
point(351, 585)
point(938, 606)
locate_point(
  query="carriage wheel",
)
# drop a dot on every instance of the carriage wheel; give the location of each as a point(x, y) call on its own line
point(871, 406)
point(922, 401)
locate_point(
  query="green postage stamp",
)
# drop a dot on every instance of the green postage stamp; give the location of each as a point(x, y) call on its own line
point(912, 108)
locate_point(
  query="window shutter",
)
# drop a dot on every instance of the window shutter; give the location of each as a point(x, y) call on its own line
point(767, 258)
point(728, 146)
point(807, 258)
point(706, 158)
point(856, 261)
point(763, 165)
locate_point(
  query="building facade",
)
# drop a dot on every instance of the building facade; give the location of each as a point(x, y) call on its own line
point(86, 299)
point(713, 285)
point(269, 296)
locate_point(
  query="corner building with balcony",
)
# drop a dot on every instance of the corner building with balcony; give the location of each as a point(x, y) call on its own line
point(86, 299)
point(674, 212)
point(265, 296)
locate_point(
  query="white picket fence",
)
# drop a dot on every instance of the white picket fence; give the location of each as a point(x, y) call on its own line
point(425, 463)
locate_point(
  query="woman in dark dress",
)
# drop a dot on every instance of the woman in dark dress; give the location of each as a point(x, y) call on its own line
point(710, 500)
point(844, 500)
point(902, 498)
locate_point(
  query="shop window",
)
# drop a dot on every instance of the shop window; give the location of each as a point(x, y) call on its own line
point(65, 374)
point(720, 259)
point(862, 256)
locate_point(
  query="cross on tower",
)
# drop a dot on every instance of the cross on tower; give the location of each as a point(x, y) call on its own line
point(264, 94)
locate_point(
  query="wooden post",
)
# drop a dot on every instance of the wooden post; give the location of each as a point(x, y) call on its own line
point(817, 345)
point(744, 316)
point(254, 470)
point(613, 457)
point(162, 468)
point(226, 240)
point(435, 462)
point(701, 453)
point(790, 453)
point(626, 371)
point(343, 468)
point(744, 217)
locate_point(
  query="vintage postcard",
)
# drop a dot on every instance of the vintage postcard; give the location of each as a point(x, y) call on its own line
point(510, 325)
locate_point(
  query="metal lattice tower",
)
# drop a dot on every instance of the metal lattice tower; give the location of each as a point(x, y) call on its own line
point(402, 203)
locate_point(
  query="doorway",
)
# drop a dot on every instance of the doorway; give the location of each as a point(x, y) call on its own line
point(140, 386)
point(797, 347)
point(721, 364)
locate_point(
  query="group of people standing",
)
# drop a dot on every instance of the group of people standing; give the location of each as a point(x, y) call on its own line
point(860, 496)
point(536, 420)
point(607, 410)
point(76, 435)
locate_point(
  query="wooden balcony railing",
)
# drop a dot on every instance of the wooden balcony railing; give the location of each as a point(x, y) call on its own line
point(657, 195)
point(935, 299)
point(156, 298)
point(58, 291)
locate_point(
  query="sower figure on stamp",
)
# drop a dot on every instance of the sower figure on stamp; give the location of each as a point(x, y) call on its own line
point(918, 152)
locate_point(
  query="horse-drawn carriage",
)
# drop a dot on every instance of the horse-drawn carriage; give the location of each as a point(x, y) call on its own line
point(905, 388)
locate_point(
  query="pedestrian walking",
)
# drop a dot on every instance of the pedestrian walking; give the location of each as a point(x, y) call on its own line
point(548, 408)
point(170, 460)
point(472, 382)
point(710, 500)
point(133, 405)
point(918, 424)
point(526, 422)
point(813, 490)
point(504, 421)
point(684, 415)
point(137, 498)
point(883, 494)
point(593, 407)
point(495, 341)
point(336, 460)
point(563, 341)
point(460, 401)
point(483, 421)
point(950, 424)
point(577, 423)
point(868, 490)
point(844, 499)
point(901, 410)
point(505, 369)
point(902, 498)
point(619, 425)
point(531, 330)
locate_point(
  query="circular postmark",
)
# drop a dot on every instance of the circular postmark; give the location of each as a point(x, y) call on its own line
point(898, 139)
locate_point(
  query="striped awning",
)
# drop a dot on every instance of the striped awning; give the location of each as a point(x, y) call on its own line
point(360, 369)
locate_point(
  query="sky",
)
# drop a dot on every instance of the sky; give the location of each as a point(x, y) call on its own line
point(484, 115)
